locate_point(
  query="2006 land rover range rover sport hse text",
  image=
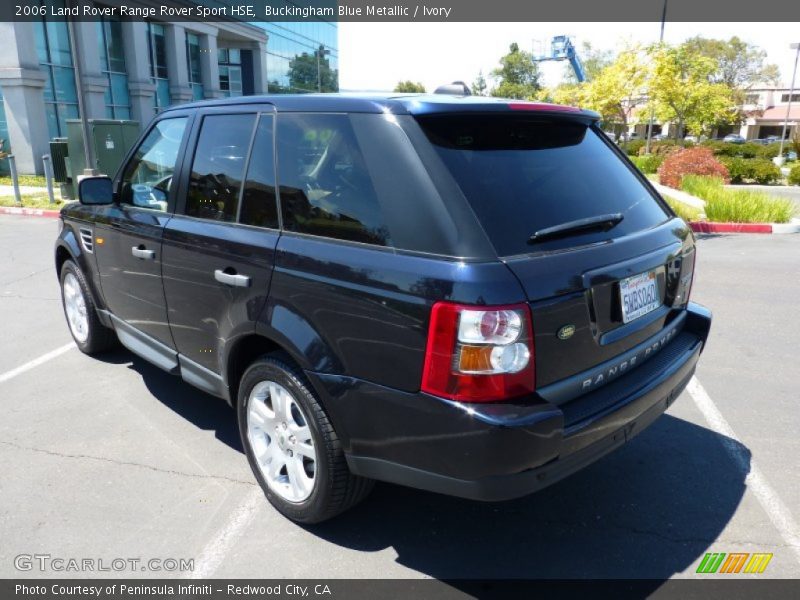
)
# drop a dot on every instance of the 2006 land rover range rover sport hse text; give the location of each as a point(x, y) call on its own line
point(471, 296)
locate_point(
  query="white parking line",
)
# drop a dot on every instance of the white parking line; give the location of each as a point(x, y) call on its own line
point(776, 510)
point(36, 362)
point(215, 550)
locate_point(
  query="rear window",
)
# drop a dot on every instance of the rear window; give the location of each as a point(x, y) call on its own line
point(525, 174)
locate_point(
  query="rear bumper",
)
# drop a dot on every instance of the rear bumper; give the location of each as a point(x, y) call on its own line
point(501, 451)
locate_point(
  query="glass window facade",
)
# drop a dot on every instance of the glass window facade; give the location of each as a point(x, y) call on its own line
point(302, 57)
point(158, 65)
point(55, 60)
point(112, 62)
point(193, 65)
point(230, 71)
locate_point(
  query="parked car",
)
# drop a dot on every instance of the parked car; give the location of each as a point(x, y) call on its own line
point(660, 137)
point(693, 139)
point(611, 135)
point(471, 296)
point(734, 138)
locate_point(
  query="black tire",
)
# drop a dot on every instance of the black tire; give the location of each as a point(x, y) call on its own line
point(335, 489)
point(99, 338)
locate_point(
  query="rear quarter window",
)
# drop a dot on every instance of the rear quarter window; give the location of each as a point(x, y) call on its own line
point(525, 174)
point(325, 186)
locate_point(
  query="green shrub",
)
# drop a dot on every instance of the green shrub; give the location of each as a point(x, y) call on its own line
point(771, 150)
point(736, 167)
point(666, 147)
point(684, 211)
point(755, 170)
point(647, 163)
point(794, 175)
point(725, 205)
point(632, 147)
point(747, 150)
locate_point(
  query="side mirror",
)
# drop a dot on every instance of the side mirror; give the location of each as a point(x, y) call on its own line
point(95, 190)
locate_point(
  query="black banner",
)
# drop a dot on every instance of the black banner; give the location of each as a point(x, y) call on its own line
point(405, 10)
point(399, 589)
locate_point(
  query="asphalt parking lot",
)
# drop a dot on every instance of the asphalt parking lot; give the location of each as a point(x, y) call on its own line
point(111, 458)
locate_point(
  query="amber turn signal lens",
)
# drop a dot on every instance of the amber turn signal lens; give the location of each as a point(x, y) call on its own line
point(475, 359)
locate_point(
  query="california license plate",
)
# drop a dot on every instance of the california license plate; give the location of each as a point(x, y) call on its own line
point(639, 295)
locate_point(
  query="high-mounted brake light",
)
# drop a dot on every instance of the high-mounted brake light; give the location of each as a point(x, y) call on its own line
point(542, 106)
point(479, 354)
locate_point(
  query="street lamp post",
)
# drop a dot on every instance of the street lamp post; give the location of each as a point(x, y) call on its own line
point(795, 46)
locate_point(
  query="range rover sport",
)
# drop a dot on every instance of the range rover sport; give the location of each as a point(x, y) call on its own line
point(471, 296)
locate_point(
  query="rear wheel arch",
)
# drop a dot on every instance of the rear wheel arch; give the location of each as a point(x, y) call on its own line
point(256, 346)
point(245, 352)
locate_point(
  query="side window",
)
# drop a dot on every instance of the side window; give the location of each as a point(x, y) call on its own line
point(259, 205)
point(325, 187)
point(148, 176)
point(218, 166)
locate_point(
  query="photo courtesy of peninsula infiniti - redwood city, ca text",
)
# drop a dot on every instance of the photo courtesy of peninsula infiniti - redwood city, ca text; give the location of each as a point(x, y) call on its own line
point(471, 296)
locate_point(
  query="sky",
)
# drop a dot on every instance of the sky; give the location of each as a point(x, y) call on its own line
point(375, 56)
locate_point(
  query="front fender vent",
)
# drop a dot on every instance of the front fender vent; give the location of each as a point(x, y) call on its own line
point(87, 240)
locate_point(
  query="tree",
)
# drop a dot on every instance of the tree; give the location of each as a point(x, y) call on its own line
point(682, 90)
point(409, 87)
point(479, 86)
point(312, 72)
point(619, 88)
point(570, 94)
point(593, 61)
point(739, 65)
point(517, 76)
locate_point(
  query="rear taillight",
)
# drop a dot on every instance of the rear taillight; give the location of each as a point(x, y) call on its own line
point(479, 354)
point(691, 276)
point(686, 281)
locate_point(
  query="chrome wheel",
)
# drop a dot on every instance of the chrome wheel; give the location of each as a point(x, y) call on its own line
point(280, 438)
point(75, 306)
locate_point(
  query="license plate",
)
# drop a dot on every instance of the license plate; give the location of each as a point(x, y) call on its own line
point(639, 295)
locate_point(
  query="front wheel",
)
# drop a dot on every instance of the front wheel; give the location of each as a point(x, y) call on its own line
point(291, 445)
point(90, 335)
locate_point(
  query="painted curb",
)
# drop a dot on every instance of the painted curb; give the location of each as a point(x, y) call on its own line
point(706, 227)
point(28, 212)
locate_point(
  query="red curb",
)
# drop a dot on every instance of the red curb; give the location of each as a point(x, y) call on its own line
point(28, 212)
point(705, 227)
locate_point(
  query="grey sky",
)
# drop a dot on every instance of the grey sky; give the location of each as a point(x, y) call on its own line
point(375, 56)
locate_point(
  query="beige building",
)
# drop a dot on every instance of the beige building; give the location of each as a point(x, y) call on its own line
point(764, 109)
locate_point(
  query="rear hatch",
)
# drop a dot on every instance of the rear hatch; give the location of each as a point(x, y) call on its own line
point(604, 263)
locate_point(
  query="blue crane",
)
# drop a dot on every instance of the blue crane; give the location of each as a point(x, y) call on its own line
point(561, 48)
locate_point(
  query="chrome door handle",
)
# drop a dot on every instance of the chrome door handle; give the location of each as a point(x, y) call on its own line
point(232, 278)
point(142, 252)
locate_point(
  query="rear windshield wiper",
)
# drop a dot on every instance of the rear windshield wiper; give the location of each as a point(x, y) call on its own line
point(600, 223)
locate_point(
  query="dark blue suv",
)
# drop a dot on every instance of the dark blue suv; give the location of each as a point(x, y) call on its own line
point(466, 295)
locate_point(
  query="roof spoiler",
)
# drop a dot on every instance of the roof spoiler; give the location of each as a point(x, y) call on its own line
point(457, 88)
